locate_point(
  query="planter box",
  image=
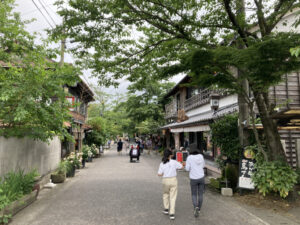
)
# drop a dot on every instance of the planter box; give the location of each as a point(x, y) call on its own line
point(20, 204)
point(58, 178)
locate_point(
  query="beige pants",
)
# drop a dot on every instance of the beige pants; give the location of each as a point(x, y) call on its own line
point(169, 193)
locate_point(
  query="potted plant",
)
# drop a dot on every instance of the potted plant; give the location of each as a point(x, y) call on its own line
point(84, 155)
point(70, 168)
point(59, 175)
point(94, 151)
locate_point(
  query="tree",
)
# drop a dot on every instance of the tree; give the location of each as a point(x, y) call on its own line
point(169, 31)
point(98, 134)
point(32, 99)
point(146, 108)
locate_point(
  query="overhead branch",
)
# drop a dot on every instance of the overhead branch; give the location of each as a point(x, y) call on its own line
point(280, 11)
point(261, 18)
point(234, 21)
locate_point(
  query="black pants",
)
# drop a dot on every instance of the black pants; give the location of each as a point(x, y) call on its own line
point(197, 189)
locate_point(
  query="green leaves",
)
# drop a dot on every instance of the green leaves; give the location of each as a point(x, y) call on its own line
point(12, 187)
point(32, 99)
point(275, 177)
point(225, 136)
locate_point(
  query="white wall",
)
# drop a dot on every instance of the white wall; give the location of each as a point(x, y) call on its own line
point(27, 154)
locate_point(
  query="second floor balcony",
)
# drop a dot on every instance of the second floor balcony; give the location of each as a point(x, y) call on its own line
point(171, 110)
point(195, 101)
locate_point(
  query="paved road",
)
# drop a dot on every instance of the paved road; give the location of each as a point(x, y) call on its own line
point(112, 191)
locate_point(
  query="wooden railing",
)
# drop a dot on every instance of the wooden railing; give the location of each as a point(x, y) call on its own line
point(171, 109)
point(197, 100)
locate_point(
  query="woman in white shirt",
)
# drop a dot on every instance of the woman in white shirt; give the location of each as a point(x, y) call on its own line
point(167, 169)
point(195, 164)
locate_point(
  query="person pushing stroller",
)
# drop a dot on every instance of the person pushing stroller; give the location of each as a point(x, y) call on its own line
point(134, 153)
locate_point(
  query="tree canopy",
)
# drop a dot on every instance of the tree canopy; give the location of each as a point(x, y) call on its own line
point(32, 99)
point(139, 39)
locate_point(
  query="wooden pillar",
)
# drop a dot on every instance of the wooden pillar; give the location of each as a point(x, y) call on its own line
point(177, 140)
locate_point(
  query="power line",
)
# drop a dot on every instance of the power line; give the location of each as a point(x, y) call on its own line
point(42, 14)
point(49, 7)
point(47, 12)
point(34, 10)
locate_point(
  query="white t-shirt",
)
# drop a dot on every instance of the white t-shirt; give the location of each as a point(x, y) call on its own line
point(169, 169)
point(195, 165)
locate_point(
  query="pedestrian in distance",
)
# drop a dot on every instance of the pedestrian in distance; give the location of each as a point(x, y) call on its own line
point(168, 170)
point(126, 145)
point(195, 165)
point(149, 145)
point(120, 147)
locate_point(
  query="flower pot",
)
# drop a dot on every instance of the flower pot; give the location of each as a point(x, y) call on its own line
point(83, 163)
point(71, 173)
point(58, 178)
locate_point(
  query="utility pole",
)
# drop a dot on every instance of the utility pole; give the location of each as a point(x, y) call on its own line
point(62, 52)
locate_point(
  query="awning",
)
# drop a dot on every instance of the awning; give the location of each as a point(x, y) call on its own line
point(176, 130)
point(191, 129)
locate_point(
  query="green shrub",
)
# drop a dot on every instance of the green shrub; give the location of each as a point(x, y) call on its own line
point(232, 174)
point(298, 173)
point(94, 149)
point(275, 176)
point(215, 183)
point(85, 150)
point(13, 186)
point(225, 136)
point(63, 167)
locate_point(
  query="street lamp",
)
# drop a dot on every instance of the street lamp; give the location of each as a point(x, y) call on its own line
point(214, 101)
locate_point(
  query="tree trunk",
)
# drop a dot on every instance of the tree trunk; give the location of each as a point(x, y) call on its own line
point(270, 130)
point(243, 115)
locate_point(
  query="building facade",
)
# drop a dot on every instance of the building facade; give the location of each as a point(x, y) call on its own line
point(79, 96)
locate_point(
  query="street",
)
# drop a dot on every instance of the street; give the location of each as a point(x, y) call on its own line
point(112, 191)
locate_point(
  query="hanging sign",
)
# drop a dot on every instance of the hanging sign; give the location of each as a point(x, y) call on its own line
point(246, 170)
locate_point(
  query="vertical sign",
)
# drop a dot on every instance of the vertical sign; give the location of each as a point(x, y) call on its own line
point(246, 170)
point(179, 156)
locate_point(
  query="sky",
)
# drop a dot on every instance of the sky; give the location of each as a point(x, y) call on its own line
point(44, 13)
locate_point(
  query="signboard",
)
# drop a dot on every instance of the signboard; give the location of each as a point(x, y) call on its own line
point(179, 156)
point(246, 170)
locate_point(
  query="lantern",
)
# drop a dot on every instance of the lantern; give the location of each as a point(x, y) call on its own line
point(214, 101)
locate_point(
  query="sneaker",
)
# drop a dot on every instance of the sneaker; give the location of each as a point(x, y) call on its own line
point(172, 217)
point(196, 211)
point(166, 212)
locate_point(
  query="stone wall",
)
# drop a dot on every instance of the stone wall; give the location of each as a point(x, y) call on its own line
point(27, 154)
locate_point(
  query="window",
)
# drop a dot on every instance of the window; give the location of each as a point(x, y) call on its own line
point(82, 109)
point(71, 100)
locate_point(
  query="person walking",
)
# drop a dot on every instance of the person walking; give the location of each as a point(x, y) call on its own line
point(120, 146)
point(195, 165)
point(126, 145)
point(167, 169)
